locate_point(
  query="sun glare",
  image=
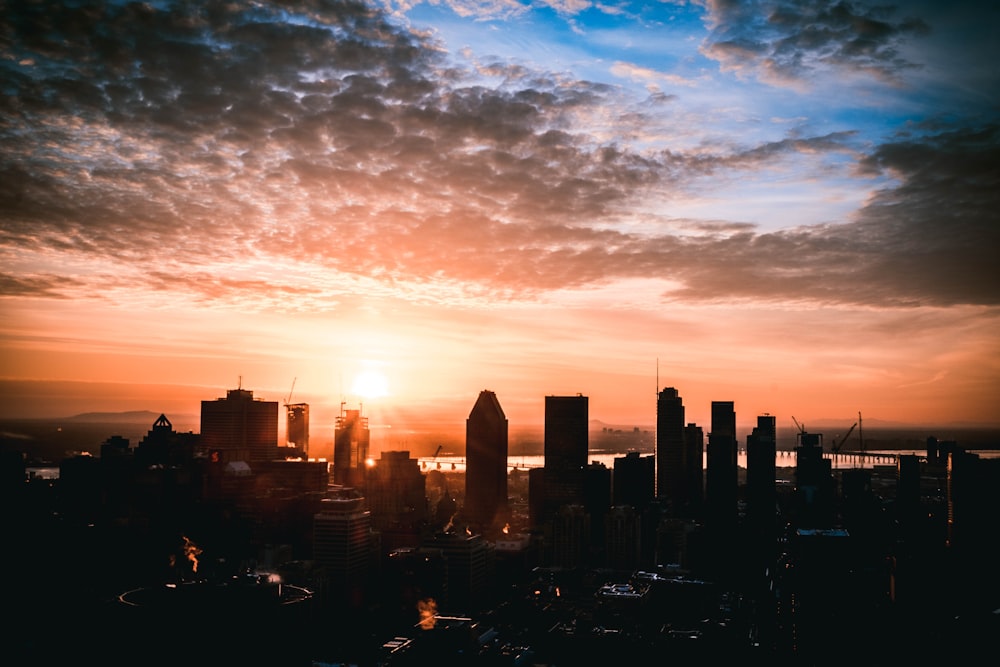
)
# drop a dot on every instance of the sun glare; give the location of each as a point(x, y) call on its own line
point(370, 384)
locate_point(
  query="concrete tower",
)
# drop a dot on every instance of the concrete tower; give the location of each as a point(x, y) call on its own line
point(239, 427)
point(486, 464)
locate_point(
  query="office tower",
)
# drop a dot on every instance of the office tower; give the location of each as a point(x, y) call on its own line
point(470, 563)
point(570, 537)
point(670, 447)
point(634, 480)
point(623, 538)
point(486, 464)
point(342, 544)
point(164, 446)
point(566, 448)
point(597, 503)
point(351, 438)
point(239, 427)
point(694, 469)
point(813, 482)
point(397, 498)
point(722, 476)
point(297, 427)
point(566, 432)
point(762, 494)
point(972, 483)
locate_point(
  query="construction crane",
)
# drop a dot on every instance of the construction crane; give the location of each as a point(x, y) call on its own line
point(289, 398)
point(802, 429)
point(835, 447)
point(861, 433)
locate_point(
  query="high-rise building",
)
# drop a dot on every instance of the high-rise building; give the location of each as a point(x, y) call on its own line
point(342, 544)
point(813, 482)
point(239, 427)
point(722, 473)
point(297, 427)
point(694, 469)
point(351, 439)
point(470, 564)
point(486, 464)
point(566, 432)
point(397, 498)
point(633, 480)
point(670, 447)
point(761, 471)
point(566, 449)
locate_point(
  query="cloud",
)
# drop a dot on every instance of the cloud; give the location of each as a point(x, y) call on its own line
point(787, 43)
point(225, 152)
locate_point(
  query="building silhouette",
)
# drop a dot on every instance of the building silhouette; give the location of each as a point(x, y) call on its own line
point(486, 506)
point(814, 494)
point(722, 472)
point(633, 481)
point(240, 427)
point(761, 492)
point(470, 564)
point(694, 471)
point(670, 471)
point(566, 448)
point(342, 545)
point(297, 427)
point(351, 439)
point(396, 492)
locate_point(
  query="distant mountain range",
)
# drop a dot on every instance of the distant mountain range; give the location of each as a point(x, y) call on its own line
point(130, 417)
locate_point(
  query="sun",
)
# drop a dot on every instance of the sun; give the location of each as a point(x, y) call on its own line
point(370, 384)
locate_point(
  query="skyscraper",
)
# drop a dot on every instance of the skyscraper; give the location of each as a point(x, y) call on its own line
point(239, 427)
point(566, 432)
point(351, 439)
point(722, 477)
point(694, 469)
point(633, 480)
point(566, 448)
point(486, 463)
point(396, 494)
point(297, 427)
point(670, 447)
point(342, 544)
point(761, 469)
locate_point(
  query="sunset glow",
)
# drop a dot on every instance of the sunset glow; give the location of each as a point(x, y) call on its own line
point(787, 205)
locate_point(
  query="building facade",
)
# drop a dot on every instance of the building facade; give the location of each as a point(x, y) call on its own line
point(566, 448)
point(486, 506)
point(351, 439)
point(670, 447)
point(240, 427)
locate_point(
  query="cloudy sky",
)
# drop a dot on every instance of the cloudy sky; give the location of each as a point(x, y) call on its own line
point(790, 205)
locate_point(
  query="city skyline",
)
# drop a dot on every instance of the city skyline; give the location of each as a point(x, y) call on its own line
point(789, 206)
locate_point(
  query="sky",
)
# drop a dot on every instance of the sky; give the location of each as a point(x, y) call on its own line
point(788, 205)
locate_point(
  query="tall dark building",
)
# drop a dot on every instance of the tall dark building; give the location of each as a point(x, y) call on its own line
point(566, 448)
point(239, 427)
point(297, 427)
point(813, 482)
point(396, 494)
point(694, 469)
point(351, 439)
point(761, 472)
point(486, 464)
point(722, 476)
point(633, 480)
point(670, 447)
point(566, 431)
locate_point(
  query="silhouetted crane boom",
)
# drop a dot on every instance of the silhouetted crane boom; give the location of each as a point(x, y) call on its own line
point(802, 429)
point(835, 447)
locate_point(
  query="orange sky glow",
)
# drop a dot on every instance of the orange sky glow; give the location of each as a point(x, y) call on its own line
point(177, 224)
